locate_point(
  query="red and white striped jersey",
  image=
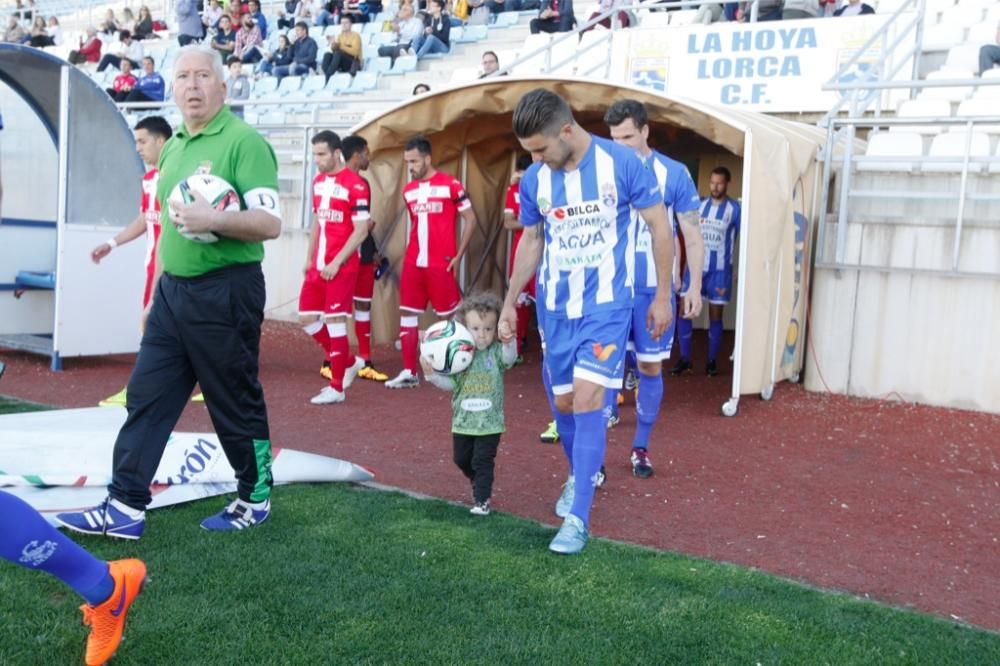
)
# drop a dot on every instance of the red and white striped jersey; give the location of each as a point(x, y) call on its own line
point(340, 200)
point(433, 204)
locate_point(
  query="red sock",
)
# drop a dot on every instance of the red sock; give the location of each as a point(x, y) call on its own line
point(523, 317)
point(340, 350)
point(409, 338)
point(321, 336)
point(363, 329)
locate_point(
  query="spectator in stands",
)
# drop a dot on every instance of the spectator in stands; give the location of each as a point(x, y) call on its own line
point(304, 52)
point(129, 49)
point(43, 35)
point(624, 19)
point(304, 11)
point(491, 64)
point(144, 28)
point(406, 27)
point(554, 16)
point(248, 41)
point(150, 86)
point(210, 17)
point(123, 83)
point(37, 29)
point(800, 9)
point(112, 20)
point(286, 16)
point(854, 8)
point(767, 10)
point(189, 27)
point(128, 20)
point(237, 85)
point(281, 57)
point(258, 17)
point(498, 6)
point(14, 32)
point(329, 13)
point(989, 54)
point(437, 26)
point(709, 13)
point(345, 50)
point(353, 9)
point(224, 40)
point(25, 12)
point(106, 33)
point(90, 49)
point(420, 89)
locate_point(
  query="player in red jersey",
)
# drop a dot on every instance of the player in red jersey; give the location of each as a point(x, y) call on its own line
point(433, 199)
point(340, 202)
point(355, 153)
point(511, 214)
point(150, 134)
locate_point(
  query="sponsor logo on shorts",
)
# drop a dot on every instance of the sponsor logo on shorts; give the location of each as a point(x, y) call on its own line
point(603, 353)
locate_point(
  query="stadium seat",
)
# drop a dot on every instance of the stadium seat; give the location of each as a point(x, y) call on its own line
point(655, 20)
point(313, 84)
point(975, 7)
point(892, 151)
point(923, 108)
point(978, 108)
point(379, 65)
point(381, 39)
point(316, 32)
point(403, 64)
point(952, 144)
point(982, 33)
point(536, 63)
point(272, 118)
point(288, 85)
point(961, 17)
point(563, 59)
point(593, 62)
point(995, 165)
point(472, 33)
point(934, 7)
point(464, 75)
point(371, 27)
point(951, 93)
point(993, 13)
point(963, 56)
point(942, 37)
point(338, 83)
point(505, 20)
point(682, 16)
point(264, 87)
point(363, 81)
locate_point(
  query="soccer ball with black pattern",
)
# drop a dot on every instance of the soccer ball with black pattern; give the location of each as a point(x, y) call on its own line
point(448, 346)
point(220, 195)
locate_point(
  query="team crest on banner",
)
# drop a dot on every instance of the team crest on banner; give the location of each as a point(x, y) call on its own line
point(648, 61)
point(609, 195)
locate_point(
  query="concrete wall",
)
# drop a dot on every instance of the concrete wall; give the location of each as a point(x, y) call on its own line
point(928, 338)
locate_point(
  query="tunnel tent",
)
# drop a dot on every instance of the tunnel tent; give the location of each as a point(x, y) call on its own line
point(470, 130)
point(67, 305)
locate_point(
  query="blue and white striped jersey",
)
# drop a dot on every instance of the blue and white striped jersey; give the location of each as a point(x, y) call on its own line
point(719, 225)
point(588, 263)
point(680, 196)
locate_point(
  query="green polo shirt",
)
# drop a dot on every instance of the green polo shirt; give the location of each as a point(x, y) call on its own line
point(237, 153)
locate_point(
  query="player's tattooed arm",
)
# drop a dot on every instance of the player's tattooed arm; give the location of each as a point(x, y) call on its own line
point(529, 253)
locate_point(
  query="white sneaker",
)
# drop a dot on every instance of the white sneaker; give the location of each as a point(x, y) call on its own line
point(352, 372)
point(404, 379)
point(328, 396)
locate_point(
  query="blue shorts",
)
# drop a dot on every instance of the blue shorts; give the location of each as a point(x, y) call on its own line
point(716, 286)
point(647, 348)
point(591, 348)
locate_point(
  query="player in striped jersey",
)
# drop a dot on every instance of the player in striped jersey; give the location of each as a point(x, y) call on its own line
point(628, 122)
point(720, 224)
point(340, 203)
point(150, 134)
point(434, 199)
point(576, 207)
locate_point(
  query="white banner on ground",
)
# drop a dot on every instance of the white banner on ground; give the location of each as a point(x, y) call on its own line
point(61, 460)
point(769, 66)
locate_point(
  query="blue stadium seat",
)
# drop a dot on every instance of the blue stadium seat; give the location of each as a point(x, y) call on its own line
point(404, 64)
point(506, 20)
point(338, 83)
point(363, 81)
point(313, 84)
point(379, 64)
point(472, 33)
point(264, 87)
point(288, 85)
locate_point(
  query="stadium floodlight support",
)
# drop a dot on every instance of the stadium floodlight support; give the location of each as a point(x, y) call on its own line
point(967, 162)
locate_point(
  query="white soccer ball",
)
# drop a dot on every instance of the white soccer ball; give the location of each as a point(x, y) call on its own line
point(219, 194)
point(449, 347)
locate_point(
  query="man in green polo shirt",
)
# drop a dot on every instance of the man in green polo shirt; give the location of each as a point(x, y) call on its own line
point(203, 324)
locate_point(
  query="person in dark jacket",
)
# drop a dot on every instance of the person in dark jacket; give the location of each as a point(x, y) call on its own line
point(281, 57)
point(303, 52)
point(554, 16)
point(437, 26)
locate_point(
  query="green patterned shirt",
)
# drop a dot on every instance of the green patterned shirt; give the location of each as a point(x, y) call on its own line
point(477, 397)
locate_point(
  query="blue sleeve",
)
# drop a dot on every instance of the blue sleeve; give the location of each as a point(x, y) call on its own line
point(737, 216)
point(682, 189)
point(640, 184)
point(530, 215)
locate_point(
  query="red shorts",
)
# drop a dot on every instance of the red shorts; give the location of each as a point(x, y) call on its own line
point(417, 286)
point(364, 288)
point(329, 297)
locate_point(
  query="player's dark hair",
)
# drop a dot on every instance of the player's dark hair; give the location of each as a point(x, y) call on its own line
point(351, 146)
point(523, 162)
point(541, 112)
point(625, 109)
point(329, 137)
point(480, 302)
point(155, 125)
point(420, 144)
point(724, 172)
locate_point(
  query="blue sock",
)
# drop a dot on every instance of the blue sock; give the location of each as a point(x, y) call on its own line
point(685, 329)
point(566, 426)
point(29, 541)
point(647, 408)
point(610, 403)
point(547, 383)
point(588, 455)
point(714, 338)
